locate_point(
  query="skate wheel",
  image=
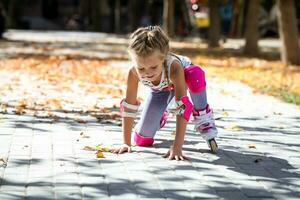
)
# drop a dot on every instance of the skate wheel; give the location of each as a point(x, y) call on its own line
point(213, 145)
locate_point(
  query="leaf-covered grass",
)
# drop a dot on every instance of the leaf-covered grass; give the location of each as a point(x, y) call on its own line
point(268, 77)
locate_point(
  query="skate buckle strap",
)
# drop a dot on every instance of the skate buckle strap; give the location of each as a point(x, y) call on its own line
point(203, 119)
point(133, 107)
point(184, 107)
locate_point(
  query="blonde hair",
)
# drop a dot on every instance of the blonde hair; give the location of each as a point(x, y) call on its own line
point(144, 41)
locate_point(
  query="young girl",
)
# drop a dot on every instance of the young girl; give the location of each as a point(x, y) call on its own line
point(167, 75)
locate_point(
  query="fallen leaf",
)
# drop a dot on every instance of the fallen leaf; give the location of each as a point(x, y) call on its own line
point(89, 148)
point(99, 147)
point(3, 161)
point(99, 154)
point(258, 160)
point(84, 135)
point(233, 127)
point(80, 121)
point(3, 108)
point(173, 134)
point(19, 107)
point(225, 114)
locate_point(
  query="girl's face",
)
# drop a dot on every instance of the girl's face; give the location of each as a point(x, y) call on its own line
point(149, 67)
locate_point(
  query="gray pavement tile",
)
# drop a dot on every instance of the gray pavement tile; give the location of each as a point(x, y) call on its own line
point(204, 193)
point(255, 192)
point(67, 193)
point(12, 195)
point(122, 185)
point(177, 194)
point(232, 195)
point(150, 185)
point(41, 181)
point(91, 180)
point(94, 192)
point(122, 193)
point(149, 193)
point(39, 192)
point(46, 161)
point(11, 181)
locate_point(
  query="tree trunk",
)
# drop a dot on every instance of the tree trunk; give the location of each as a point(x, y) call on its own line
point(215, 24)
point(95, 10)
point(288, 32)
point(117, 16)
point(14, 10)
point(168, 17)
point(185, 14)
point(133, 19)
point(251, 32)
point(84, 7)
point(50, 9)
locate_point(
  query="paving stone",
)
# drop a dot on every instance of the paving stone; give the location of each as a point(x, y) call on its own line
point(39, 192)
point(12, 195)
point(256, 192)
point(122, 193)
point(234, 195)
point(94, 192)
point(45, 160)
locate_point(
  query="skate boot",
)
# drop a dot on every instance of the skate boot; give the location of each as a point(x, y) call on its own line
point(205, 125)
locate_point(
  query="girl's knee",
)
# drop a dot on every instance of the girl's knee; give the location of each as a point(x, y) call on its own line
point(195, 78)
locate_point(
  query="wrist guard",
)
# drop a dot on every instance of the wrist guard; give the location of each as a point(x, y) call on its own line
point(184, 107)
point(133, 107)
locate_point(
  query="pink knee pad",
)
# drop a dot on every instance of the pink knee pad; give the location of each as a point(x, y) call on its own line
point(195, 78)
point(143, 141)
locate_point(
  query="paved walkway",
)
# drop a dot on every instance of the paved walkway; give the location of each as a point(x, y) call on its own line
point(259, 142)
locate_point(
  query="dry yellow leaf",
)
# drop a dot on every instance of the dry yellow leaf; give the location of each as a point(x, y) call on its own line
point(3, 108)
point(89, 148)
point(80, 121)
point(3, 161)
point(99, 154)
point(225, 114)
point(233, 127)
point(99, 147)
point(252, 146)
point(84, 135)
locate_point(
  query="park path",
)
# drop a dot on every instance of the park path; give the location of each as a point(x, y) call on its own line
point(44, 158)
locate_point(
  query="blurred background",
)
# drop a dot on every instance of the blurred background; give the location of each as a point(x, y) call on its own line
point(251, 37)
point(185, 17)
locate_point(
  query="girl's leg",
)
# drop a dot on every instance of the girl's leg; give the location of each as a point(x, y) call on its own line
point(199, 100)
point(203, 116)
point(150, 121)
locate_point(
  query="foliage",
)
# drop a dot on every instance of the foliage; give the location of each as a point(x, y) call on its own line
point(269, 77)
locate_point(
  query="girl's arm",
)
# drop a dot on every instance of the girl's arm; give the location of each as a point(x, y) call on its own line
point(127, 122)
point(131, 98)
point(177, 78)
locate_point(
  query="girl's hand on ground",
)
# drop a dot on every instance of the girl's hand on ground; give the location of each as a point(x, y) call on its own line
point(175, 153)
point(121, 149)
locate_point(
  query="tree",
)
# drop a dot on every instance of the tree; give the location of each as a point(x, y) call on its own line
point(168, 17)
point(94, 12)
point(117, 12)
point(215, 23)
point(133, 18)
point(288, 32)
point(14, 10)
point(251, 31)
